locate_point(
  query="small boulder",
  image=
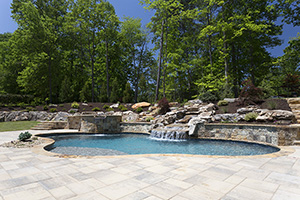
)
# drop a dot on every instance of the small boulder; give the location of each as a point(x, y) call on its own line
point(140, 105)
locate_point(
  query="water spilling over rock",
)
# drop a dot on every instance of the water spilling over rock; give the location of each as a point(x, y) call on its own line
point(170, 133)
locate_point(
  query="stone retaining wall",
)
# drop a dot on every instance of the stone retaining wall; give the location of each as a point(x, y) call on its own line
point(137, 127)
point(276, 135)
point(100, 124)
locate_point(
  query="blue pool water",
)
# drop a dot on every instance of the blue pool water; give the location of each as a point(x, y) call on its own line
point(119, 144)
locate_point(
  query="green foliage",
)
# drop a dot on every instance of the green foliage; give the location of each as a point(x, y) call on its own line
point(22, 105)
point(115, 92)
point(109, 109)
point(15, 98)
point(250, 117)
point(208, 96)
point(53, 110)
point(25, 136)
point(127, 94)
point(105, 107)
point(272, 105)
point(96, 109)
point(122, 108)
point(45, 107)
point(75, 105)
point(222, 103)
point(72, 111)
point(139, 110)
point(30, 109)
point(148, 119)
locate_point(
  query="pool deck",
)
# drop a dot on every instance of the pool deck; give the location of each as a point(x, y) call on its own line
point(28, 175)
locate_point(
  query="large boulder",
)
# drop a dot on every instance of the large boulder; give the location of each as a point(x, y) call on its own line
point(140, 105)
point(207, 108)
point(193, 130)
point(61, 116)
point(282, 114)
point(130, 116)
point(247, 110)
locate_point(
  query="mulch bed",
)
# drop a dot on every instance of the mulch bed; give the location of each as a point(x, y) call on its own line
point(270, 104)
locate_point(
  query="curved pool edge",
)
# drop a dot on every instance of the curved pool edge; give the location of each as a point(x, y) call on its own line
point(40, 149)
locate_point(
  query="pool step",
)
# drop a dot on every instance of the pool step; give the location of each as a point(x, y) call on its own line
point(46, 125)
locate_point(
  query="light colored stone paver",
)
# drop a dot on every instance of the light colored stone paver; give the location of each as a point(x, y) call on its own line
point(28, 175)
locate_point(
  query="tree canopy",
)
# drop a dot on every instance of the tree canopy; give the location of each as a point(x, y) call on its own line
point(79, 50)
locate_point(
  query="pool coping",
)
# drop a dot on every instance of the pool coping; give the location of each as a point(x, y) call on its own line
point(40, 149)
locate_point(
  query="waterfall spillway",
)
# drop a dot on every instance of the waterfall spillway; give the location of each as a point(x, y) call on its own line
point(170, 133)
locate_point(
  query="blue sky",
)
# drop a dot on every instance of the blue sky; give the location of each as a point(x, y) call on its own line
point(131, 8)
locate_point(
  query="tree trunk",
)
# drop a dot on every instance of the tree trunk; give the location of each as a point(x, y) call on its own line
point(159, 62)
point(165, 64)
point(209, 44)
point(138, 73)
point(225, 50)
point(50, 78)
point(107, 72)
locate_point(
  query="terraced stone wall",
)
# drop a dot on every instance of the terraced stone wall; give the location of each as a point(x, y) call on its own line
point(100, 124)
point(138, 127)
point(275, 135)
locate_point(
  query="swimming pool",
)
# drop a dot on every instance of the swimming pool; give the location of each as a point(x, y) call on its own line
point(132, 144)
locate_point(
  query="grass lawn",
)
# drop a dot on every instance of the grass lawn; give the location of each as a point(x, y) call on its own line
point(16, 126)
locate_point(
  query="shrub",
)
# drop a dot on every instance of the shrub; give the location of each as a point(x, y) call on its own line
point(208, 96)
point(272, 105)
point(22, 105)
point(250, 93)
point(15, 98)
point(123, 108)
point(128, 94)
point(45, 107)
point(30, 109)
point(53, 110)
point(109, 109)
point(139, 109)
point(61, 105)
point(163, 104)
point(222, 103)
point(75, 105)
point(24, 136)
point(249, 117)
point(224, 110)
point(105, 107)
point(148, 119)
point(72, 111)
point(96, 109)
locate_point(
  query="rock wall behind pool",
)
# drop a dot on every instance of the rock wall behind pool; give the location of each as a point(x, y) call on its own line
point(100, 124)
point(276, 135)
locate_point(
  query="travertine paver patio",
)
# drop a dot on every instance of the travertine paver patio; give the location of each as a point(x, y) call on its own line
point(26, 175)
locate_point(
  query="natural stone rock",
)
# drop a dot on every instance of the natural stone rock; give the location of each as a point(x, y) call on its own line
point(114, 105)
point(195, 101)
point(193, 125)
point(228, 117)
point(61, 116)
point(129, 116)
point(186, 119)
point(282, 114)
point(247, 110)
point(206, 115)
point(73, 110)
point(110, 113)
point(140, 105)
point(174, 104)
point(207, 108)
point(118, 114)
point(230, 100)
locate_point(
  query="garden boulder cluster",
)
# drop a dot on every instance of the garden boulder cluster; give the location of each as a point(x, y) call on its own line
point(192, 112)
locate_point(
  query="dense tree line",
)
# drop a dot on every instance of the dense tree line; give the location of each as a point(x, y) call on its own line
point(79, 50)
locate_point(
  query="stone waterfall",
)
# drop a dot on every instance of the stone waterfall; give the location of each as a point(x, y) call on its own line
point(170, 133)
